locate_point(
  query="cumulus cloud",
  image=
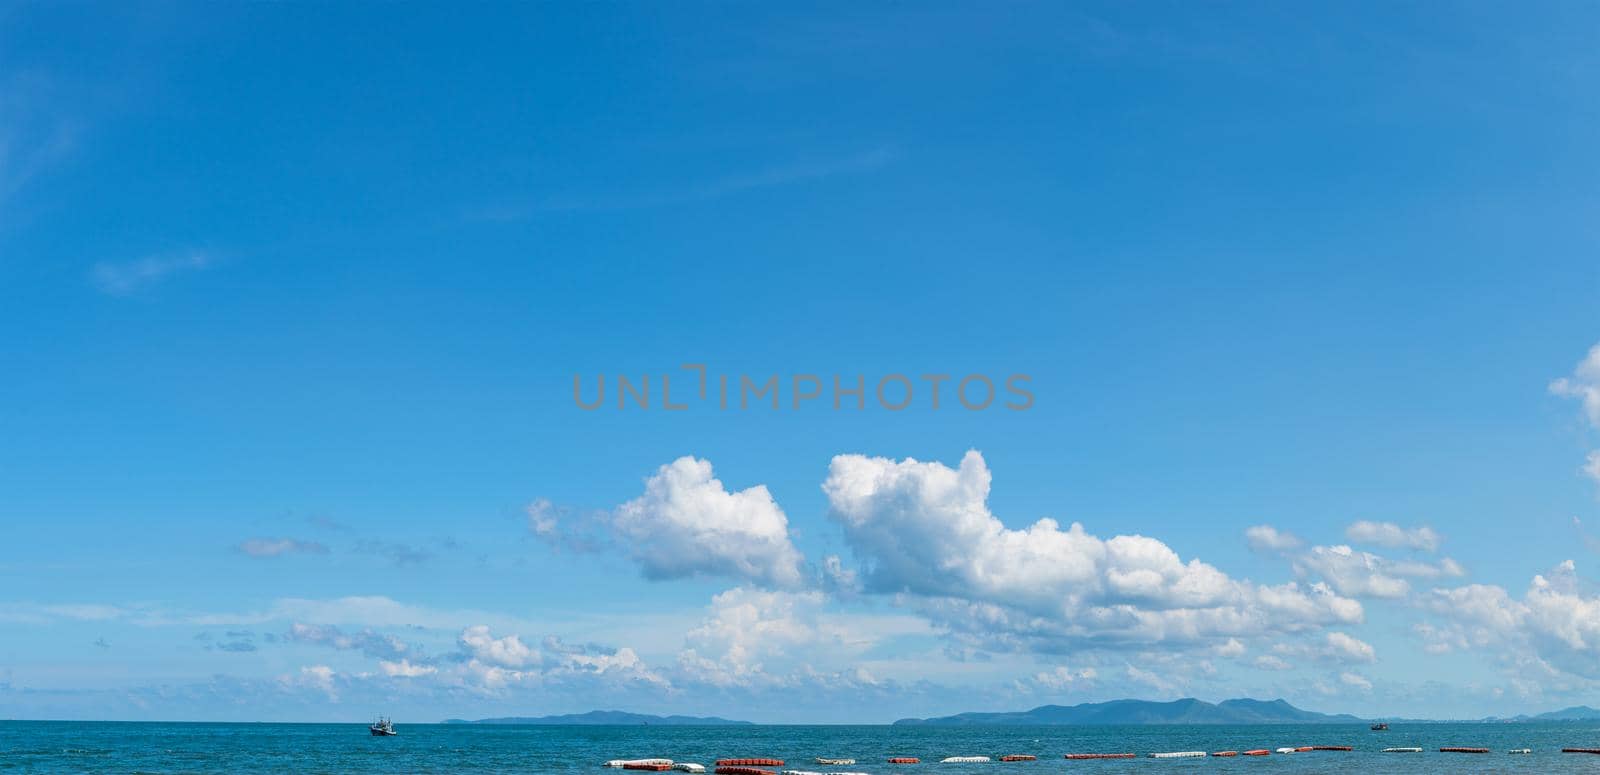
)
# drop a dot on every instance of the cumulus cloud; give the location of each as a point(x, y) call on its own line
point(1346, 647)
point(1270, 662)
point(404, 669)
point(1555, 626)
point(1063, 678)
point(368, 642)
point(1268, 539)
point(1583, 385)
point(492, 664)
point(1364, 574)
point(1356, 680)
point(127, 278)
point(1392, 536)
point(688, 524)
point(278, 547)
point(925, 530)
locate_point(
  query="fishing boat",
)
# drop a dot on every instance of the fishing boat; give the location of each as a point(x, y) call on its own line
point(1381, 726)
point(383, 727)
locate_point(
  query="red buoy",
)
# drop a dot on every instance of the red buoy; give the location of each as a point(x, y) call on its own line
point(1457, 749)
point(904, 760)
point(1258, 752)
point(1225, 753)
point(1019, 757)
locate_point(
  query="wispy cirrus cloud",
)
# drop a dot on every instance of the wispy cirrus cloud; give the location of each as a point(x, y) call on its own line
point(278, 547)
point(129, 277)
point(35, 134)
point(772, 176)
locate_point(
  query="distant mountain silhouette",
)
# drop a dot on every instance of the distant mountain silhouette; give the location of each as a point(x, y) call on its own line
point(606, 717)
point(1185, 711)
point(1574, 713)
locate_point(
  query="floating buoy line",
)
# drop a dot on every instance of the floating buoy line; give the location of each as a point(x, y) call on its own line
point(758, 765)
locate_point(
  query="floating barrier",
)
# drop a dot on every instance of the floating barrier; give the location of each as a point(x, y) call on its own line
point(1100, 756)
point(1459, 749)
point(737, 770)
point(1580, 750)
point(647, 767)
point(755, 762)
point(1520, 750)
point(965, 760)
point(904, 760)
point(1331, 748)
point(1258, 752)
point(1402, 750)
point(1287, 750)
point(826, 760)
point(688, 767)
point(1224, 753)
point(1178, 755)
point(623, 763)
point(1019, 757)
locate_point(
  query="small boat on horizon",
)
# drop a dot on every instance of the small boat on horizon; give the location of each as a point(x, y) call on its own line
point(383, 727)
point(1381, 726)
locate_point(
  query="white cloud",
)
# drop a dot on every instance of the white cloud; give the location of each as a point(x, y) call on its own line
point(1359, 574)
point(688, 524)
point(1266, 538)
point(494, 664)
point(404, 669)
point(1063, 678)
point(319, 677)
point(373, 644)
point(924, 530)
point(507, 651)
point(1229, 648)
point(1584, 385)
point(1270, 662)
point(1555, 626)
point(126, 278)
point(277, 547)
point(542, 518)
point(1364, 574)
point(1356, 680)
point(1591, 465)
point(1392, 536)
point(1345, 647)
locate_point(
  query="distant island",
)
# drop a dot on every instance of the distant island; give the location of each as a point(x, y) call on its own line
point(606, 718)
point(1574, 713)
point(1130, 712)
point(1185, 711)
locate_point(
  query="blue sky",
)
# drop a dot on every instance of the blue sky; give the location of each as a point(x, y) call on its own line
point(293, 298)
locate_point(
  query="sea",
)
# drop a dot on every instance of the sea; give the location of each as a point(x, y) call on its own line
point(155, 747)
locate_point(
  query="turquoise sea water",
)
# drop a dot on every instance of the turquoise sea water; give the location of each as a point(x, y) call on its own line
point(102, 747)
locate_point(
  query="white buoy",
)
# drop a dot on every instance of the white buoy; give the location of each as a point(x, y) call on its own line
point(1178, 755)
